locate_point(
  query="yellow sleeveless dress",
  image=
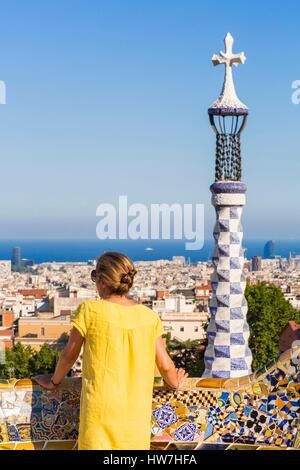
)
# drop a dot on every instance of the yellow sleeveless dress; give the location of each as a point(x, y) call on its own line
point(117, 375)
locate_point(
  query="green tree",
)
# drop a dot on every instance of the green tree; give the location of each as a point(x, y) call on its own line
point(44, 360)
point(24, 362)
point(268, 313)
point(186, 354)
point(17, 362)
point(7, 370)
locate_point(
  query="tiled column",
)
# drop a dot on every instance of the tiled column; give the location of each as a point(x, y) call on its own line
point(227, 353)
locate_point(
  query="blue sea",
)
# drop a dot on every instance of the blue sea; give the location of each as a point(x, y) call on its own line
point(45, 250)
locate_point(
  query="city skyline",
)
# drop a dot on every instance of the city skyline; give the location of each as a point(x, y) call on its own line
point(36, 251)
point(122, 89)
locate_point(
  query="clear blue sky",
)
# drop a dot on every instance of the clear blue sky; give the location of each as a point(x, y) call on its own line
point(110, 97)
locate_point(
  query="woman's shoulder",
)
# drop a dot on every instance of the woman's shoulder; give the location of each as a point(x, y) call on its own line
point(101, 305)
point(147, 311)
point(91, 305)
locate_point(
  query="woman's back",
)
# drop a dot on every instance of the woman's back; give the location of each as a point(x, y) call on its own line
point(118, 371)
point(121, 346)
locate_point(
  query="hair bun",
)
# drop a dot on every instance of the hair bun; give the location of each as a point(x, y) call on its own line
point(127, 278)
point(116, 272)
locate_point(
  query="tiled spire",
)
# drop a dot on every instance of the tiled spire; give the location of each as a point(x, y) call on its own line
point(227, 353)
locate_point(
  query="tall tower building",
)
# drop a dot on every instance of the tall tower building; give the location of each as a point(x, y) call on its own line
point(227, 353)
point(16, 256)
point(269, 250)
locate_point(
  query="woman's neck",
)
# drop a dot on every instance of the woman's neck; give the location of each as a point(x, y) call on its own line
point(119, 299)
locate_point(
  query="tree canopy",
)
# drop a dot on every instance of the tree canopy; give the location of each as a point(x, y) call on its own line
point(268, 313)
point(186, 354)
point(24, 362)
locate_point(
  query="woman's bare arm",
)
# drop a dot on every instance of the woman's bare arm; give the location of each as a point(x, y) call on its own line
point(65, 361)
point(175, 378)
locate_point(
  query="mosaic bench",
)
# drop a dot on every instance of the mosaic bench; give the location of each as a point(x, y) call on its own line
point(259, 411)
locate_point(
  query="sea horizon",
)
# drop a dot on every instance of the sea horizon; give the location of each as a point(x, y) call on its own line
point(42, 250)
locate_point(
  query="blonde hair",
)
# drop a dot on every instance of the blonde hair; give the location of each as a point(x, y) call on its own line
point(116, 271)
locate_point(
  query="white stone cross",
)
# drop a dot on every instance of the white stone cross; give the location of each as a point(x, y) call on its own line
point(228, 97)
point(227, 57)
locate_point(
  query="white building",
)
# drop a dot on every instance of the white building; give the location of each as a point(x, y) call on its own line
point(5, 269)
point(140, 292)
point(294, 300)
point(67, 300)
point(176, 303)
point(184, 326)
point(179, 318)
point(178, 260)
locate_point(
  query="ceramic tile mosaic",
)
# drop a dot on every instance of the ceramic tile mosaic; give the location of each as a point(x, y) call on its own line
point(260, 409)
point(257, 411)
point(227, 353)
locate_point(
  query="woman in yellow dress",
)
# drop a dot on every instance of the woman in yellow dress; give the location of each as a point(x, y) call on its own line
point(122, 341)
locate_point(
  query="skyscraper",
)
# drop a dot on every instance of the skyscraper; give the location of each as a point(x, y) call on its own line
point(269, 250)
point(16, 256)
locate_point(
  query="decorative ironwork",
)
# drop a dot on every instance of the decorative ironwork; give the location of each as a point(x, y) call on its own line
point(228, 115)
point(228, 147)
